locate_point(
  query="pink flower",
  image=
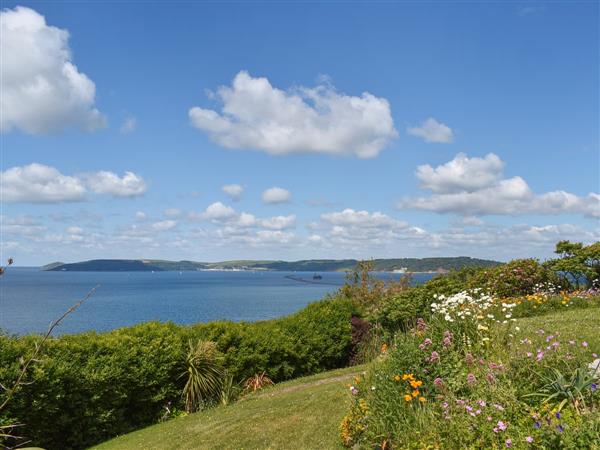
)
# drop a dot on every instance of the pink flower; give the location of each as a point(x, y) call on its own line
point(585, 344)
point(435, 357)
point(471, 379)
point(439, 383)
point(540, 356)
point(529, 439)
point(501, 425)
point(508, 443)
point(481, 403)
point(529, 354)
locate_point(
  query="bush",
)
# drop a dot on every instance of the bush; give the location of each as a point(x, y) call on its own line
point(518, 277)
point(89, 387)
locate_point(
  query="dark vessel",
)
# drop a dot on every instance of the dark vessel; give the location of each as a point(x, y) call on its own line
point(316, 276)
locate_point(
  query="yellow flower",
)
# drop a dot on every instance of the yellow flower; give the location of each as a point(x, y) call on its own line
point(416, 384)
point(415, 393)
point(408, 398)
point(397, 378)
point(384, 348)
point(422, 399)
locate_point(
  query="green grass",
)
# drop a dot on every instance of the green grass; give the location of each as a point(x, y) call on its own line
point(577, 324)
point(301, 414)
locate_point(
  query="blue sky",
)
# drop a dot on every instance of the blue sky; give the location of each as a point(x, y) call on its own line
point(499, 99)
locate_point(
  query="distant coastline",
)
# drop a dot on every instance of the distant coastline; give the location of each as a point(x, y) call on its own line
point(398, 265)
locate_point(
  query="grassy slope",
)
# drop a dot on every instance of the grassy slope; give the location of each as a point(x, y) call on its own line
point(306, 413)
point(300, 414)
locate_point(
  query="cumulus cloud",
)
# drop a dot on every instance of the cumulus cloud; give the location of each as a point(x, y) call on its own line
point(38, 183)
point(219, 212)
point(475, 187)
point(461, 174)
point(234, 191)
point(42, 90)
point(276, 195)
point(432, 131)
point(279, 222)
point(129, 125)
point(365, 219)
point(141, 216)
point(256, 115)
point(104, 182)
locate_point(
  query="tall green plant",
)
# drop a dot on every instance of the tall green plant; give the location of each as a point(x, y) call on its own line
point(204, 372)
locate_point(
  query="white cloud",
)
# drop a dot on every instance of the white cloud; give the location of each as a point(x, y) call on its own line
point(256, 115)
point(234, 191)
point(104, 182)
point(461, 174)
point(219, 212)
point(129, 125)
point(432, 131)
point(37, 183)
point(363, 219)
point(164, 225)
point(141, 216)
point(276, 195)
point(475, 187)
point(42, 90)
point(279, 222)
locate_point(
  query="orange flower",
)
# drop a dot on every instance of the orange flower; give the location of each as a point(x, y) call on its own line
point(422, 399)
point(397, 378)
point(384, 348)
point(415, 393)
point(416, 384)
point(408, 398)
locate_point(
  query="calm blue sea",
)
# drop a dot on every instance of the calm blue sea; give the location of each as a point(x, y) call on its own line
point(30, 299)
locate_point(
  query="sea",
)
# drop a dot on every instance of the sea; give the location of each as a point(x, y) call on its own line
point(30, 299)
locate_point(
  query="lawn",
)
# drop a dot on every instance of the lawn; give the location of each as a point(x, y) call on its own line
point(299, 414)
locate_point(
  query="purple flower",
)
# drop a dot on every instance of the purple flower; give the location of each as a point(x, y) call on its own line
point(537, 425)
point(501, 425)
point(593, 387)
point(558, 415)
point(529, 439)
point(540, 356)
point(481, 403)
point(435, 357)
point(508, 443)
point(560, 428)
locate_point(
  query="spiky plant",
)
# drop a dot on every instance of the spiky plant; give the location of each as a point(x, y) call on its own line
point(204, 372)
point(230, 391)
point(257, 382)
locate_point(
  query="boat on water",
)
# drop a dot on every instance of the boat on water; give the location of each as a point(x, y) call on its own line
point(316, 276)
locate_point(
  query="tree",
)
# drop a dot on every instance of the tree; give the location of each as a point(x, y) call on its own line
point(579, 264)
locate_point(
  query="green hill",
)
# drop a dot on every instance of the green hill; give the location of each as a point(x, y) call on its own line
point(309, 265)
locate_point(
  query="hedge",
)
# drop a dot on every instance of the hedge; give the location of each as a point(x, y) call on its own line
point(92, 386)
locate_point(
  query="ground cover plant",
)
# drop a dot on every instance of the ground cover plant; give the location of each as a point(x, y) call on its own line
point(473, 376)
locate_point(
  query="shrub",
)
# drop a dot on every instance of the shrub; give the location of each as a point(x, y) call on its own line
point(518, 277)
point(92, 386)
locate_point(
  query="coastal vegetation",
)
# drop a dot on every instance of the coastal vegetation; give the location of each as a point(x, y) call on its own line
point(478, 358)
point(311, 265)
